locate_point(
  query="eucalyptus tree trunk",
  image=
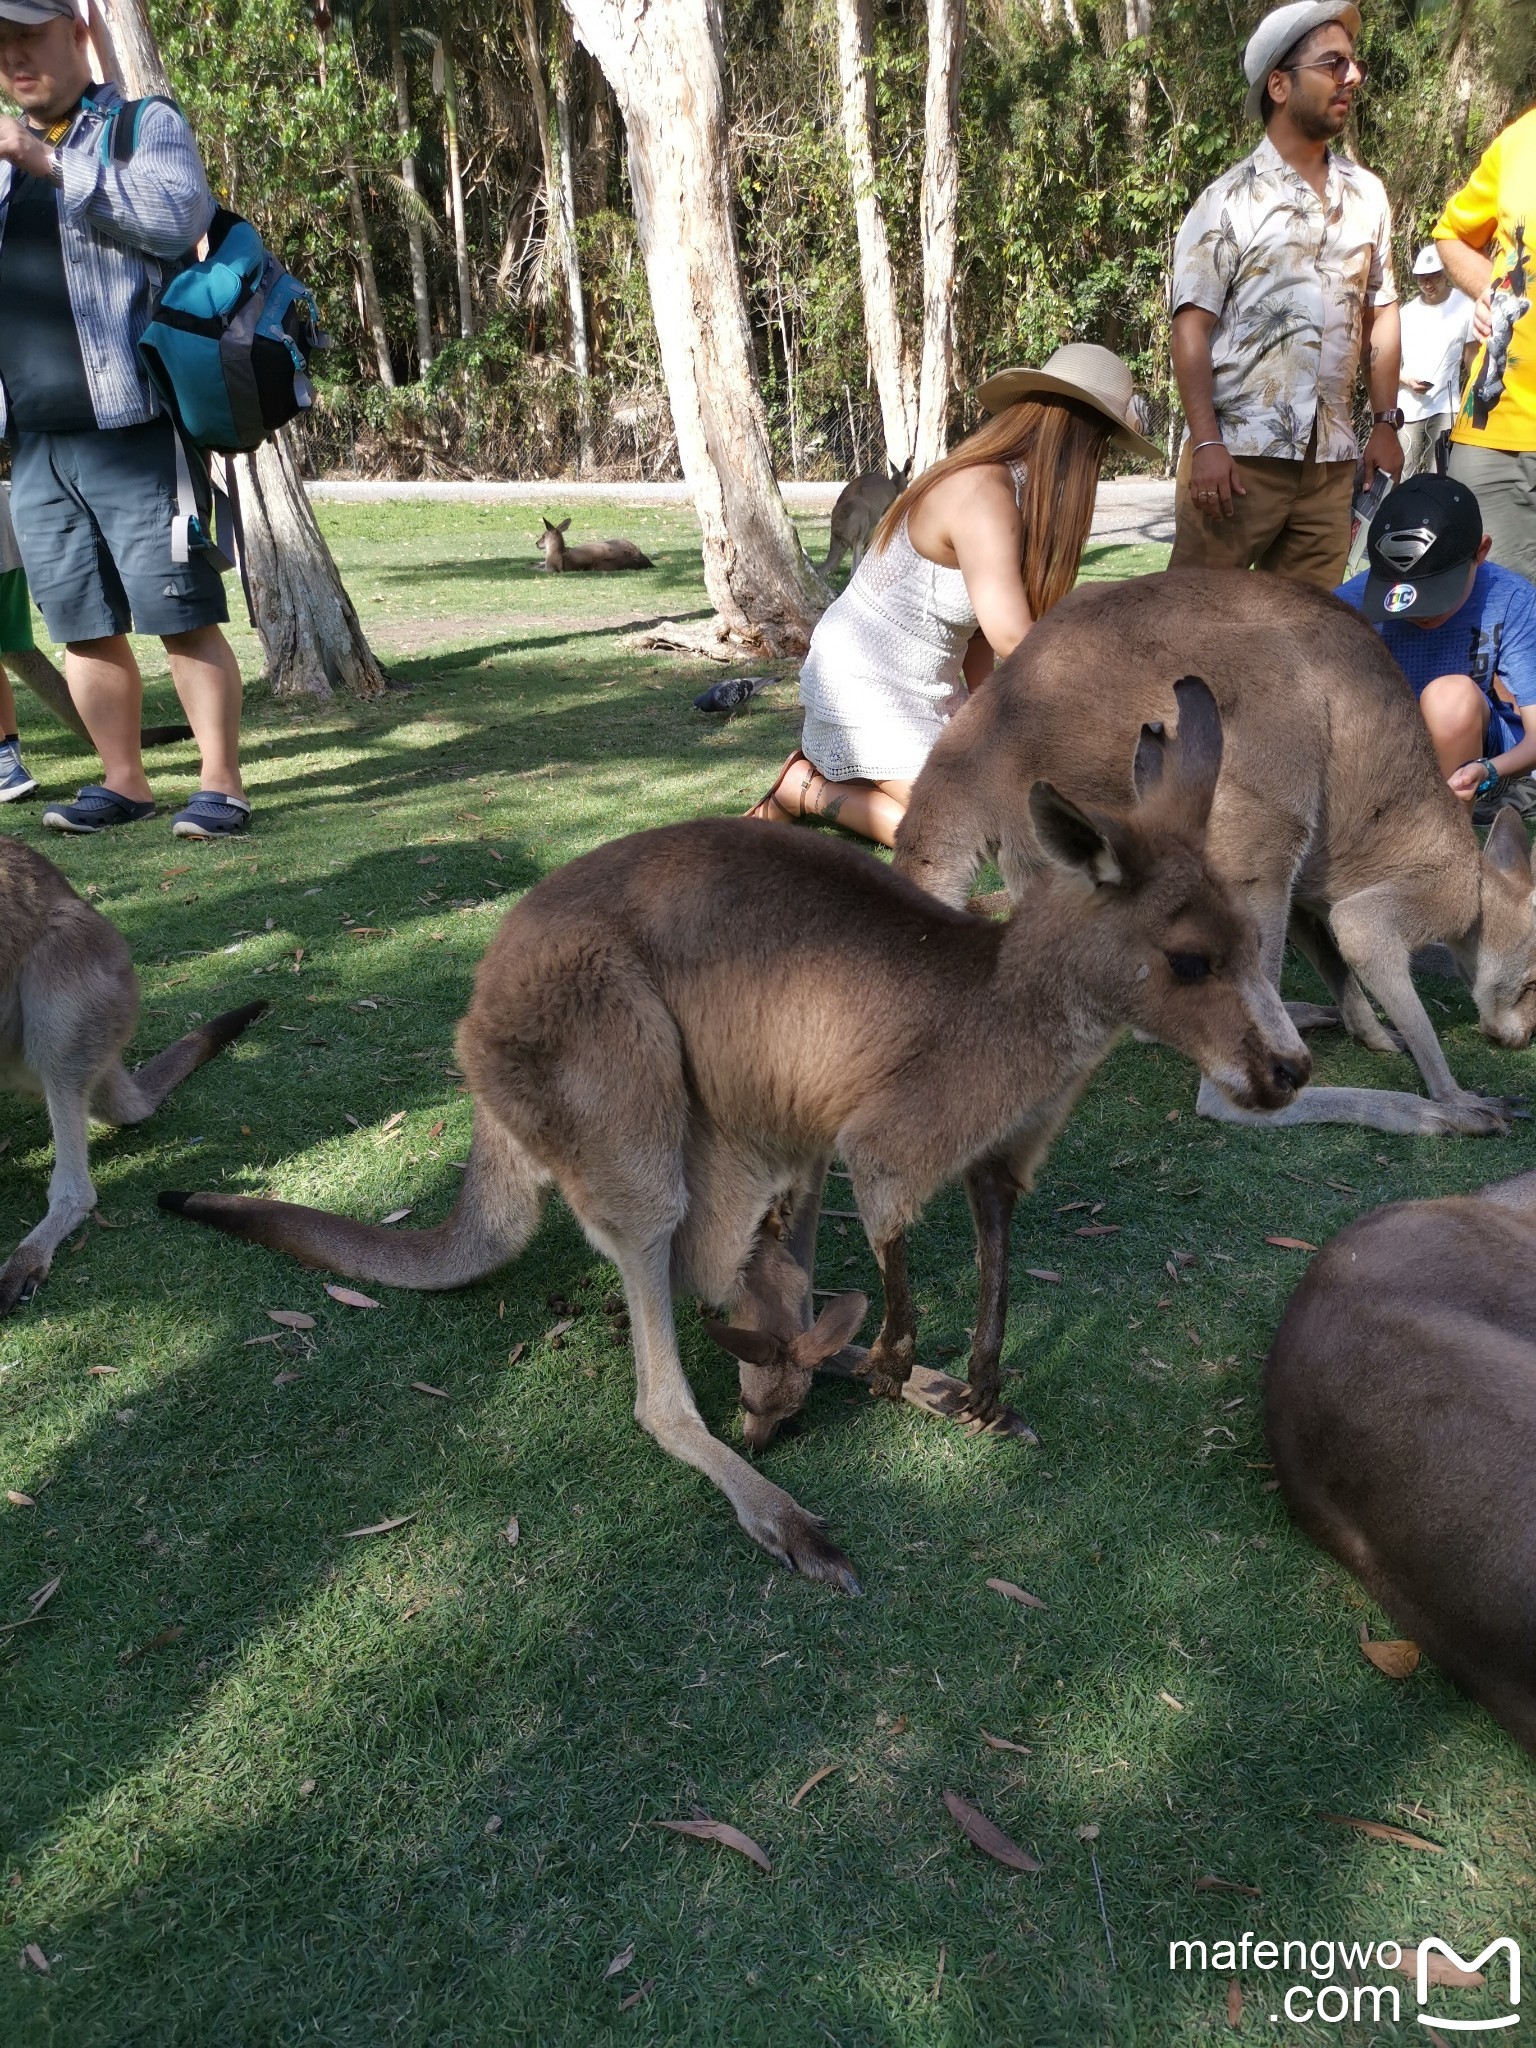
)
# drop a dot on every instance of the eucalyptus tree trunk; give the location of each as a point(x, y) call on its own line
point(413, 232)
point(310, 634)
point(940, 199)
point(664, 64)
point(373, 305)
point(890, 359)
point(1138, 26)
point(559, 199)
point(450, 91)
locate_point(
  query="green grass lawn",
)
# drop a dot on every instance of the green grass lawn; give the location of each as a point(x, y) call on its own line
point(261, 1784)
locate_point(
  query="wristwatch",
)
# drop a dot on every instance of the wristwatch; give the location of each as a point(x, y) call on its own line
point(1392, 419)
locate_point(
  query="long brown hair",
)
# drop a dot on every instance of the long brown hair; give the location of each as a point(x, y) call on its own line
point(1061, 447)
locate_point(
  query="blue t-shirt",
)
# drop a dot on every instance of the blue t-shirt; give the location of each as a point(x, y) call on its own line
point(1492, 635)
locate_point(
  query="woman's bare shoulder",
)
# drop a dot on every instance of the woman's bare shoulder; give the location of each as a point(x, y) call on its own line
point(958, 503)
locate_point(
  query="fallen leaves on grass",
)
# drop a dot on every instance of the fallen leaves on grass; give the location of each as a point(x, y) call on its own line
point(396, 1216)
point(36, 1602)
point(1234, 2002)
point(101, 1371)
point(1225, 1884)
point(437, 1129)
point(1097, 1230)
point(19, 1500)
point(1383, 1831)
point(1039, 1273)
point(1010, 1591)
point(1002, 1742)
point(350, 1298)
point(161, 1640)
point(516, 1353)
point(634, 1998)
point(512, 1531)
point(392, 1123)
point(1291, 1244)
point(306, 1788)
point(722, 1832)
point(986, 1835)
point(621, 1961)
point(1168, 1700)
point(381, 1528)
point(813, 1781)
point(284, 1379)
point(291, 1318)
point(1439, 1969)
point(1397, 1659)
point(557, 1330)
point(422, 1387)
point(36, 1958)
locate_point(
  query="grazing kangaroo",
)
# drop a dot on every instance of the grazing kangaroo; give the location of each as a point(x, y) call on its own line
point(69, 1000)
point(681, 1028)
point(861, 505)
point(1400, 1406)
point(1331, 814)
point(587, 554)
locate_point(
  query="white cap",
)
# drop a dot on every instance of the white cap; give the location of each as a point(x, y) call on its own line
point(1427, 262)
point(1283, 30)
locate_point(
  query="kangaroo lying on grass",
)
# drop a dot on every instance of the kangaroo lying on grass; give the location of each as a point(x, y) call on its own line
point(681, 1029)
point(69, 1000)
point(861, 505)
point(1400, 1406)
point(1331, 812)
point(587, 554)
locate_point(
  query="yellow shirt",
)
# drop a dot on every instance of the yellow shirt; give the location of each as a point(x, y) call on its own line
point(1498, 407)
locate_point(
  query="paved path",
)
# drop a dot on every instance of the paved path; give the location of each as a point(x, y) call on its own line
point(1129, 509)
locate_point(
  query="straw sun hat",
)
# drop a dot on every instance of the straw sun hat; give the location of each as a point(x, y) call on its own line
point(1093, 376)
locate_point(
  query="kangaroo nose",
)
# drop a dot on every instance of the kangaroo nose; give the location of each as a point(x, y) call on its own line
point(1292, 1074)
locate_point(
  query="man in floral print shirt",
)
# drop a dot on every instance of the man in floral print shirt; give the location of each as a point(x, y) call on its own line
point(1282, 280)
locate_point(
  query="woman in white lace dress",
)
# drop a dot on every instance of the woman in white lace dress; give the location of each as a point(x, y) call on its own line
point(961, 566)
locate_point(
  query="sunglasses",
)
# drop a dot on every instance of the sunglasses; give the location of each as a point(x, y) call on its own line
point(1339, 66)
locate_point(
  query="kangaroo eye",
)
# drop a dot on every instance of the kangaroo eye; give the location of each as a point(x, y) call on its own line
point(1190, 967)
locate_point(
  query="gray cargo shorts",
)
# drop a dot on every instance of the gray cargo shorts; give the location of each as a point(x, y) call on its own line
point(93, 513)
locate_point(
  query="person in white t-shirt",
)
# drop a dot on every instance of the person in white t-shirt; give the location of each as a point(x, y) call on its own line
point(1437, 329)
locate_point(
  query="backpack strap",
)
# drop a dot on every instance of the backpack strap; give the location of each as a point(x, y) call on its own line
point(120, 137)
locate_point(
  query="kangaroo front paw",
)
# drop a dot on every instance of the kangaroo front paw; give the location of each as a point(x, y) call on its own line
point(21, 1276)
point(887, 1368)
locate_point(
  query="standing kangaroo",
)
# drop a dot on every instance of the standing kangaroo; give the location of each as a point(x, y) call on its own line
point(861, 505)
point(587, 554)
point(1400, 1407)
point(69, 1000)
point(682, 1027)
point(1331, 813)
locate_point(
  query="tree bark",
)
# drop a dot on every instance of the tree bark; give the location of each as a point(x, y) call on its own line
point(890, 358)
point(413, 231)
point(31, 666)
point(450, 92)
point(1138, 25)
point(940, 197)
point(373, 305)
point(580, 351)
point(310, 633)
point(665, 67)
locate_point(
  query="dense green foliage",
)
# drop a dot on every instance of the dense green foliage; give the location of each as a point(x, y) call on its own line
point(1080, 154)
point(265, 1787)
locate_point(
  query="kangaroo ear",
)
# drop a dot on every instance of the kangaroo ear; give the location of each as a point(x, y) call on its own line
point(757, 1347)
point(837, 1325)
point(1090, 846)
point(1196, 752)
point(562, 526)
point(550, 529)
point(1507, 847)
point(1151, 750)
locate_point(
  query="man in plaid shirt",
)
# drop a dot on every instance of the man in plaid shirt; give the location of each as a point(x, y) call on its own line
point(88, 235)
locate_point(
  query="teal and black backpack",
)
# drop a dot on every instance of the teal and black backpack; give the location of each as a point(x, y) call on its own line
point(229, 347)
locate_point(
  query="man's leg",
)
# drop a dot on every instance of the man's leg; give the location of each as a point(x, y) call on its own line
point(1505, 488)
point(1201, 542)
point(1313, 545)
point(108, 692)
point(207, 679)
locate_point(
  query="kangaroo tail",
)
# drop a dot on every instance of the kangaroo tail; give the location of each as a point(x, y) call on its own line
point(496, 1214)
point(124, 1098)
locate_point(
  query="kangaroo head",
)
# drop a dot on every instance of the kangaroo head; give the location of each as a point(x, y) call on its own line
point(551, 541)
point(1499, 961)
point(1169, 951)
point(776, 1371)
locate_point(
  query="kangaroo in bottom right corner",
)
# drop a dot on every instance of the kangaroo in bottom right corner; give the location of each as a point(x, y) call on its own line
point(1400, 1408)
